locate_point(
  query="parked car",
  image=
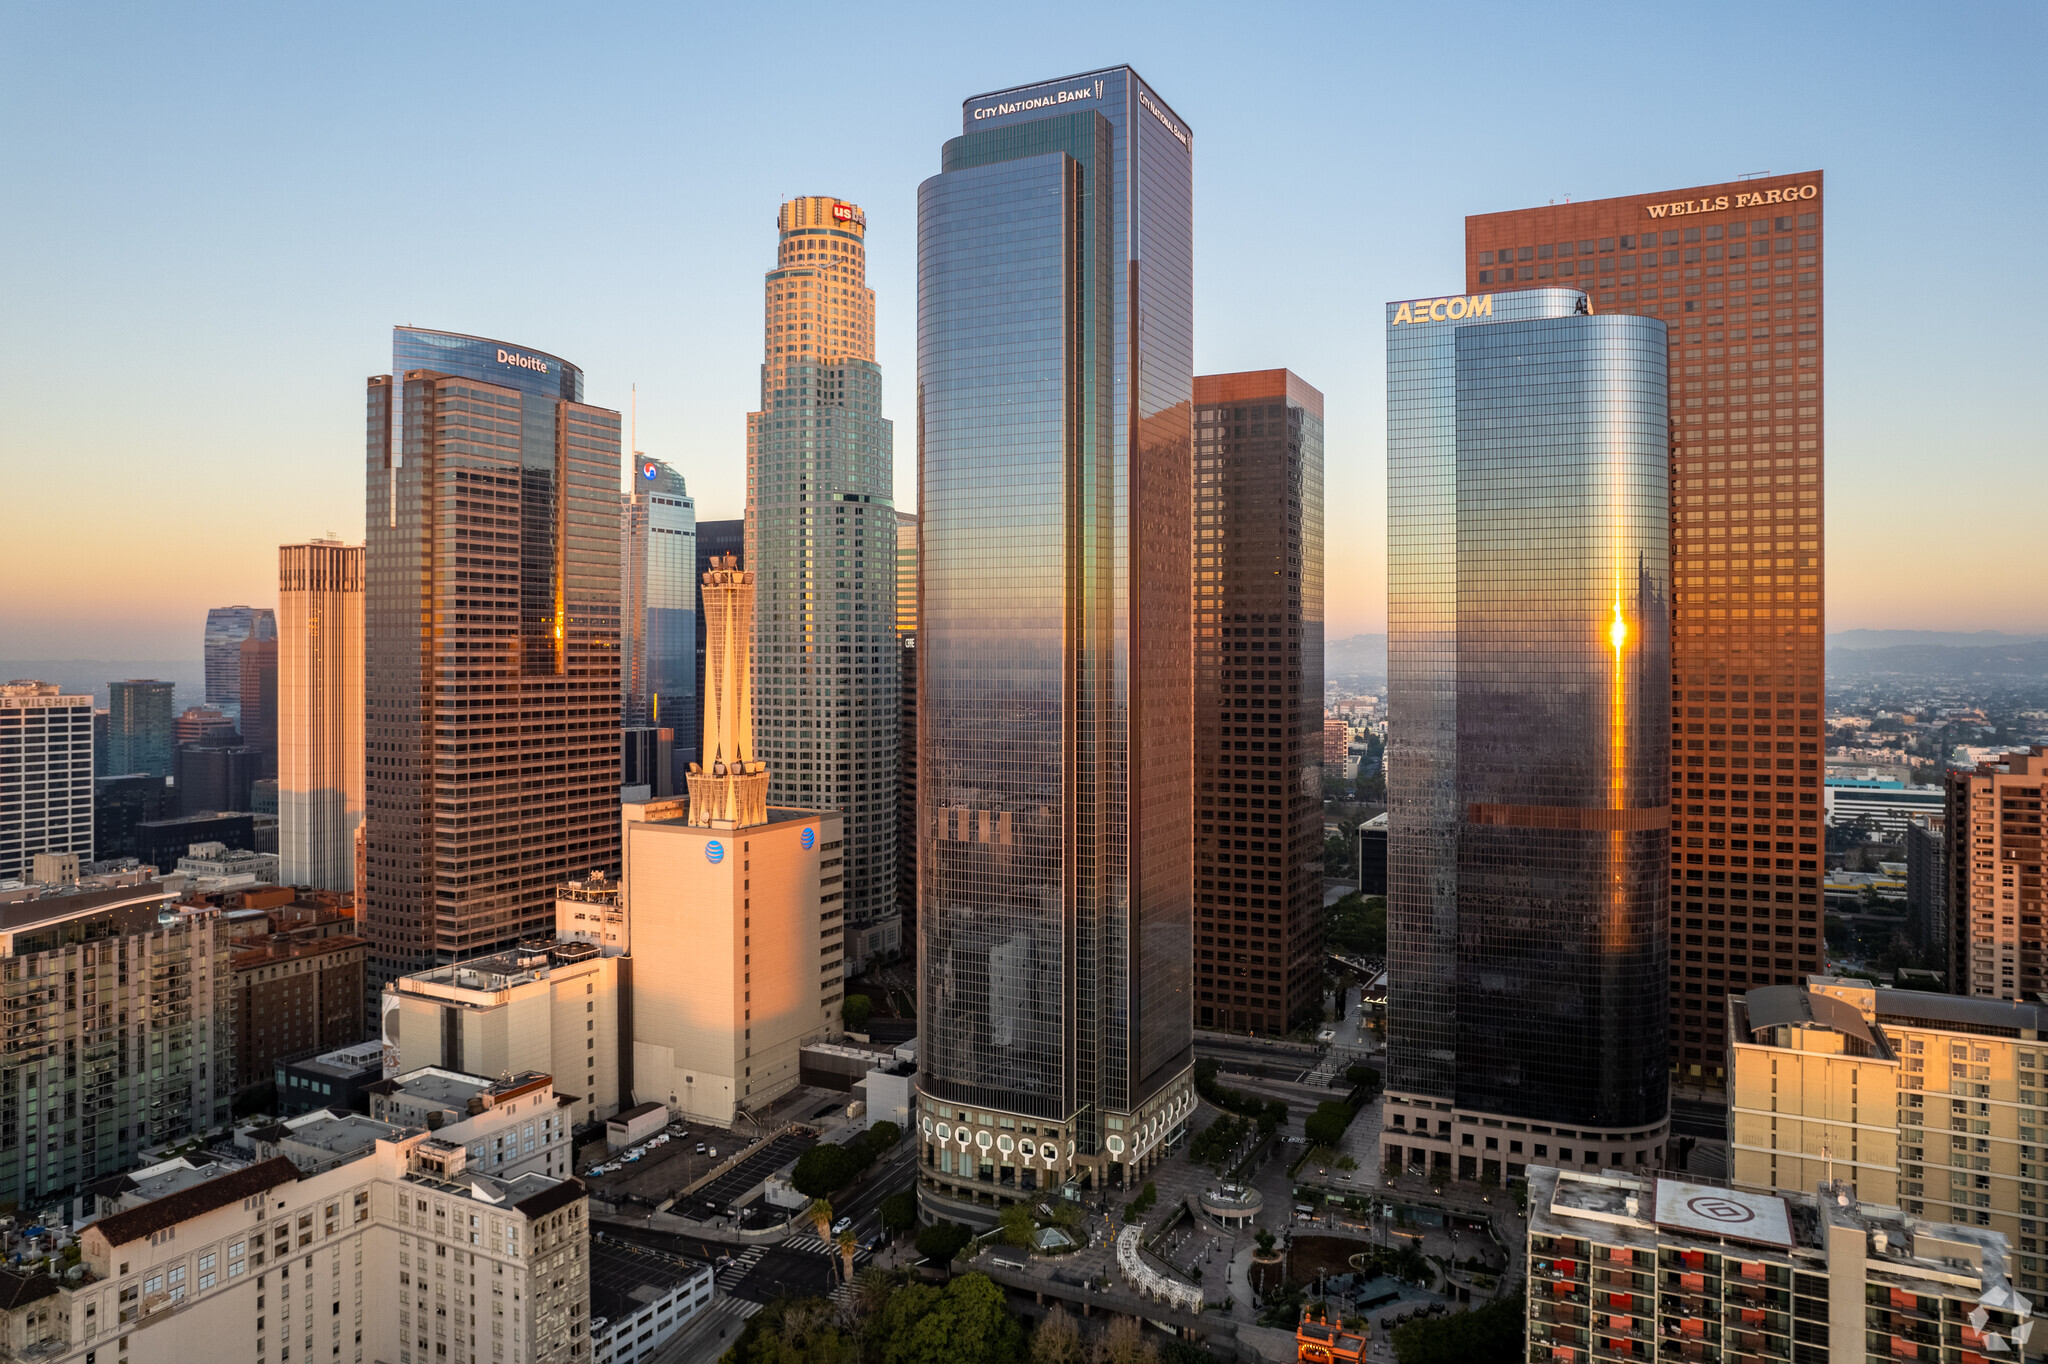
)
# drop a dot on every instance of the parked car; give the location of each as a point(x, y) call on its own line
point(700, 1148)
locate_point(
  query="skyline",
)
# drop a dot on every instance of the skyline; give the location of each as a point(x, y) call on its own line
point(255, 232)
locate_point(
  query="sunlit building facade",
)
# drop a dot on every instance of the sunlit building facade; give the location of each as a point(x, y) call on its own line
point(226, 628)
point(1055, 383)
point(821, 542)
point(491, 648)
point(1528, 586)
point(319, 712)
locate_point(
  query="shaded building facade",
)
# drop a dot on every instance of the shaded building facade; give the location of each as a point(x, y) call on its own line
point(226, 628)
point(491, 673)
point(821, 543)
point(1528, 591)
point(1258, 632)
point(658, 599)
point(1993, 830)
point(715, 540)
point(1054, 699)
point(140, 732)
point(259, 701)
point(1735, 272)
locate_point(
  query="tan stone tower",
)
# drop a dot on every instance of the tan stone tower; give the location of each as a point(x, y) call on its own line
point(728, 789)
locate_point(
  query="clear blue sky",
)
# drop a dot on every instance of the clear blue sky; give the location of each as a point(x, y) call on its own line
point(213, 216)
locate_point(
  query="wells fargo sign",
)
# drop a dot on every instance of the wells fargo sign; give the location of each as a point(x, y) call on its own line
point(1789, 195)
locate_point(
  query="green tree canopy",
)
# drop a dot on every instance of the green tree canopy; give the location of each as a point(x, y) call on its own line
point(899, 1211)
point(941, 1241)
point(1488, 1335)
point(855, 1010)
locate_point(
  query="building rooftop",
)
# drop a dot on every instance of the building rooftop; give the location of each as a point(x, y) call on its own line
point(333, 1132)
point(625, 1277)
point(524, 964)
point(344, 1061)
point(164, 1213)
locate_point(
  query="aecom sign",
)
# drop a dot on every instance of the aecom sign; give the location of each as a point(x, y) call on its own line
point(1444, 309)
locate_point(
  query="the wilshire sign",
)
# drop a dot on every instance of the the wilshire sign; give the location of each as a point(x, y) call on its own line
point(1789, 195)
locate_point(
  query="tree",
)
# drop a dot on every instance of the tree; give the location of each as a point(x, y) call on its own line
point(1265, 1240)
point(883, 1135)
point(1057, 1339)
point(848, 1244)
point(825, 1169)
point(1326, 1125)
point(965, 1323)
point(1123, 1342)
point(855, 1010)
point(1489, 1335)
point(1019, 1226)
point(941, 1241)
point(899, 1212)
point(793, 1331)
point(820, 1213)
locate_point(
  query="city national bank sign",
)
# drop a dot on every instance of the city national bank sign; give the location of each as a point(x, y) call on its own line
point(1790, 195)
point(1023, 106)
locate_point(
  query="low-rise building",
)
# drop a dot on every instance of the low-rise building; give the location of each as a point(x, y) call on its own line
point(1928, 1101)
point(545, 1006)
point(639, 1299)
point(399, 1254)
point(508, 1126)
point(339, 1079)
point(1623, 1268)
point(296, 994)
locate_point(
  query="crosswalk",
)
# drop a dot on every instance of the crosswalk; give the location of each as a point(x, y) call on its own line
point(742, 1265)
point(817, 1246)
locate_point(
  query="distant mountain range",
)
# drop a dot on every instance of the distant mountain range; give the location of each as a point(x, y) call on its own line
point(1921, 639)
point(80, 675)
point(1357, 656)
point(2016, 661)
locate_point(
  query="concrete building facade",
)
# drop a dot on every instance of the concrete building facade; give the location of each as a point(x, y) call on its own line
point(1995, 852)
point(46, 775)
point(319, 712)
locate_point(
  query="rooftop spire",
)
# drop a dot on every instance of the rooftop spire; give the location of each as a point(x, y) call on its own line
point(729, 788)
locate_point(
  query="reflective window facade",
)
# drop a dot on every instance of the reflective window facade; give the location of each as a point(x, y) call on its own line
point(821, 542)
point(491, 663)
point(1528, 598)
point(1054, 383)
point(658, 583)
point(1738, 272)
point(226, 628)
point(1258, 598)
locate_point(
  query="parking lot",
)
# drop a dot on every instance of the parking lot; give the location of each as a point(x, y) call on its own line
point(715, 1199)
point(661, 1170)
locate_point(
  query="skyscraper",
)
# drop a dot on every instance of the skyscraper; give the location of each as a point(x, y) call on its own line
point(733, 907)
point(1055, 377)
point(140, 736)
point(46, 778)
point(319, 712)
point(1258, 599)
point(1993, 938)
point(491, 673)
point(658, 606)
point(1734, 270)
point(906, 573)
point(258, 701)
point(226, 628)
point(821, 543)
point(1528, 585)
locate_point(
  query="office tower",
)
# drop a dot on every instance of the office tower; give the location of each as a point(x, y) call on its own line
point(1258, 601)
point(821, 543)
point(212, 778)
point(647, 758)
point(906, 792)
point(46, 777)
point(1821, 1277)
point(1995, 846)
point(1055, 382)
point(492, 772)
point(735, 965)
point(715, 540)
point(259, 701)
point(89, 1086)
point(1927, 885)
point(906, 573)
point(204, 725)
point(226, 628)
point(139, 730)
point(1734, 271)
point(1527, 591)
point(319, 712)
point(658, 598)
point(1836, 1075)
point(120, 805)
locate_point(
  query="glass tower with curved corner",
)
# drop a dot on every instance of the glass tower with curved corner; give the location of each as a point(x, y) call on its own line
point(1528, 587)
point(658, 580)
point(226, 628)
point(1055, 381)
point(491, 647)
point(821, 543)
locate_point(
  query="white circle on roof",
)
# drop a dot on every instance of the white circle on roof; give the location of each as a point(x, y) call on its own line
point(1719, 1209)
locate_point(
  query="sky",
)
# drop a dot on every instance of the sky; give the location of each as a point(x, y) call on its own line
point(213, 215)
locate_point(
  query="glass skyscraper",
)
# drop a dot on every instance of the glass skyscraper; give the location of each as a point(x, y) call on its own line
point(1528, 589)
point(658, 579)
point(821, 543)
point(140, 733)
point(1055, 378)
point(226, 628)
point(491, 666)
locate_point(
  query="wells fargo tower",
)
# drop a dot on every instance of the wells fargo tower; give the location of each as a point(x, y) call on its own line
point(1734, 270)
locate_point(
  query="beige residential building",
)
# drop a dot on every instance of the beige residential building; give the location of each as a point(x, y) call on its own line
point(551, 1007)
point(399, 1255)
point(1931, 1102)
point(1994, 901)
point(734, 909)
point(319, 712)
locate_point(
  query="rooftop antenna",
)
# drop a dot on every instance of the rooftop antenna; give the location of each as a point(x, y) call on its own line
point(1752, 175)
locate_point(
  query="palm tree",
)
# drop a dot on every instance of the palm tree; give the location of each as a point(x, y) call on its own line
point(820, 1213)
point(847, 1245)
